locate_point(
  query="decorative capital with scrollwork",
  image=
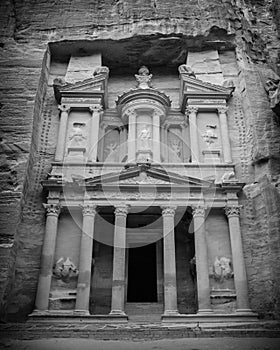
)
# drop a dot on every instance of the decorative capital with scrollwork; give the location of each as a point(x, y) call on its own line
point(222, 109)
point(88, 209)
point(95, 108)
point(131, 113)
point(191, 109)
point(198, 210)
point(168, 211)
point(52, 209)
point(233, 210)
point(64, 108)
point(121, 210)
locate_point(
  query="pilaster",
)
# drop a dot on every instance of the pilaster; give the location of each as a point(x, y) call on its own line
point(61, 140)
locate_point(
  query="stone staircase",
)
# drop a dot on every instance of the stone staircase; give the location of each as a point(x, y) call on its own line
point(144, 312)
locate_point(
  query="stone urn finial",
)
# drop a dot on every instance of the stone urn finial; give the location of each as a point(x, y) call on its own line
point(143, 78)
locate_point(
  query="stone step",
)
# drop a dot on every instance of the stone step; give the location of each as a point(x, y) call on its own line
point(144, 309)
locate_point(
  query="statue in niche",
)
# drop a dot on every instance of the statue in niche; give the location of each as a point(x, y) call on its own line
point(111, 148)
point(143, 78)
point(222, 269)
point(77, 138)
point(145, 136)
point(176, 147)
point(65, 269)
point(209, 135)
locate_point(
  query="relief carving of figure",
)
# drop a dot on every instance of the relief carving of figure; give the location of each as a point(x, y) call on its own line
point(209, 136)
point(77, 138)
point(184, 69)
point(222, 269)
point(176, 147)
point(111, 148)
point(145, 136)
point(65, 270)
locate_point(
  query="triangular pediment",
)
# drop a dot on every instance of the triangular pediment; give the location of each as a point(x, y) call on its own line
point(145, 174)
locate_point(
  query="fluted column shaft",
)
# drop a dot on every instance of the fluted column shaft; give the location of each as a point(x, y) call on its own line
point(61, 140)
point(240, 277)
point(47, 257)
point(131, 136)
point(118, 283)
point(169, 262)
point(225, 134)
point(192, 113)
point(156, 137)
point(94, 133)
point(201, 257)
point(85, 261)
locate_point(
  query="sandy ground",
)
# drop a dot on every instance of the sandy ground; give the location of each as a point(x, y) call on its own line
point(174, 344)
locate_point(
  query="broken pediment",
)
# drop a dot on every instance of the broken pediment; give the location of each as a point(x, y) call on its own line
point(95, 87)
point(193, 89)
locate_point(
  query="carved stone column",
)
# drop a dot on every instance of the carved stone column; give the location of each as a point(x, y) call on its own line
point(101, 142)
point(118, 284)
point(131, 136)
point(186, 154)
point(123, 142)
point(60, 147)
point(45, 277)
point(85, 261)
point(201, 258)
point(225, 134)
point(240, 278)
point(192, 113)
point(169, 262)
point(94, 134)
point(156, 137)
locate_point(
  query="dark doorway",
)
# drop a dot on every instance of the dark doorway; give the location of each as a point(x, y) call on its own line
point(142, 274)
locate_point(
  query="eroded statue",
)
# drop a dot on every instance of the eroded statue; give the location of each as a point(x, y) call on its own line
point(222, 269)
point(65, 270)
point(184, 69)
point(77, 138)
point(144, 137)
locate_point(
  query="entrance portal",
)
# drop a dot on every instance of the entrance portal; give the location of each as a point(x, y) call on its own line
point(142, 274)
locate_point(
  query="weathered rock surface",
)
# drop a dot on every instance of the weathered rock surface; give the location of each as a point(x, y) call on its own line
point(33, 31)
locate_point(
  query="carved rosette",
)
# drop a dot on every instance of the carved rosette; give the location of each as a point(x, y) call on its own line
point(222, 109)
point(168, 211)
point(52, 209)
point(198, 211)
point(191, 109)
point(233, 210)
point(89, 209)
point(121, 210)
point(64, 108)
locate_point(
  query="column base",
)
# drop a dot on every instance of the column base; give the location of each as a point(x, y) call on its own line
point(204, 311)
point(81, 312)
point(171, 313)
point(117, 313)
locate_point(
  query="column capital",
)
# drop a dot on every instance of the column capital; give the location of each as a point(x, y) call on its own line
point(191, 109)
point(168, 210)
point(52, 209)
point(97, 108)
point(121, 210)
point(64, 108)
point(233, 210)
point(198, 210)
point(131, 113)
point(88, 209)
point(222, 109)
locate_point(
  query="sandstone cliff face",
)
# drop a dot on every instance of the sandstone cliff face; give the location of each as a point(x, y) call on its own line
point(250, 28)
